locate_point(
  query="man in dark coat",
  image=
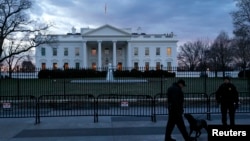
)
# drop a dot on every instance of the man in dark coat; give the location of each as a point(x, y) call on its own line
point(227, 96)
point(175, 111)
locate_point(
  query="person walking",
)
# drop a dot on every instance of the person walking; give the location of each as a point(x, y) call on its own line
point(175, 111)
point(228, 98)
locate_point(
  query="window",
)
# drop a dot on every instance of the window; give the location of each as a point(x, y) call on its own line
point(66, 52)
point(169, 66)
point(94, 66)
point(43, 53)
point(158, 65)
point(54, 51)
point(146, 66)
point(119, 51)
point(54, 66)
point(93, 51)
point(119, 66)
point(136, 66)
point(169, 51)
point(66, 66)
point(158, 51)
point(77, 65)
point(43, 66)
point(106, 61)
point(147, 51)
point(135, 51)
point(77, 51)
point(106, 51)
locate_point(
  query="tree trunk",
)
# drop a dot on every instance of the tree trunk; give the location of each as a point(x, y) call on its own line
point(1, 47)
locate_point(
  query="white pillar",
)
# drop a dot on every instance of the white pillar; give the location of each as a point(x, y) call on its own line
point(129, 55)
point(85, 65)
point(99, 54)
point(114, 54)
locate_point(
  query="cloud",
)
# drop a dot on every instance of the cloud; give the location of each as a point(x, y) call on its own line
point(188, 19)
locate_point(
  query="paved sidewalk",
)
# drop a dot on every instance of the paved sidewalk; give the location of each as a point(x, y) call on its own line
point(107, 129)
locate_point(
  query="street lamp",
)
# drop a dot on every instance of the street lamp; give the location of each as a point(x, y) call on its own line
point(161, 79)
point(18, 83)
point(216, 66)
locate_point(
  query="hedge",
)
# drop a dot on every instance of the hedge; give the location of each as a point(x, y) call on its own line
point(87, 73)
point(241, 74)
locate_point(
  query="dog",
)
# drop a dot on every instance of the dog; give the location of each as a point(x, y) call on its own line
point(195, 125)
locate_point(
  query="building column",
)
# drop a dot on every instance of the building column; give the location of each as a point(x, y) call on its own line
point(99, 55)
point(129, 53)
point(85, 65)
point(114, 54)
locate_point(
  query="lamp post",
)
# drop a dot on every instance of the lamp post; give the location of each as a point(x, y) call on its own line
point(18, 83)
point(64, 86)
point(216, 66)
point(0, 78)
point(161, 79)
point(205, 71)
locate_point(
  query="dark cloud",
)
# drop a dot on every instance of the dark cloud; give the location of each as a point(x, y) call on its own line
point(189, 19)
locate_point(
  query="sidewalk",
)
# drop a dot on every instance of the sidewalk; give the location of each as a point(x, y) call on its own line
point(107, 129)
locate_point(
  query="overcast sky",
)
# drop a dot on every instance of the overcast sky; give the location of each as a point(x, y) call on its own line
point(188, 19)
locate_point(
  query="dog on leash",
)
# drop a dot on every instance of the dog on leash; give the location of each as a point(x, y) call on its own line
point(195, 125)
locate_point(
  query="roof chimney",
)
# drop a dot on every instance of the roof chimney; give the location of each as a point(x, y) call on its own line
point(73, 30)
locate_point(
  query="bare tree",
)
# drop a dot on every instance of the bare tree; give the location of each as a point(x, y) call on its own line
point(193, 54)
point(241, 21)
point(12, 61)
point(1, 65)
point(241, 17)
point(212, 61)
point(221, 50)
point(27, 65)
point(242, 49)
point(16, 24)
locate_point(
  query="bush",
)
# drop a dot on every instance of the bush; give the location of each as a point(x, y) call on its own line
point(119, 73)
point(44, 74)
point(158, 73)
point(88, 73)
point(135, 73)
point(246, 72)
point(203, 74)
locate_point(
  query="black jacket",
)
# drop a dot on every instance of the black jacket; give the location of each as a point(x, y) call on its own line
point(227, 94)
point(175, 99)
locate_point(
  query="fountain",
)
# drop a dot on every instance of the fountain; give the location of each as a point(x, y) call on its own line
point(110, 75)
point(109, 78)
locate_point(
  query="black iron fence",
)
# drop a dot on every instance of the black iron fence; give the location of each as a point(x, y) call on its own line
point(124, 105)
point(128, 80)
point(108, 105)
point(18, 106)
point(65, 105)
point(244, 105)
point(130, 92)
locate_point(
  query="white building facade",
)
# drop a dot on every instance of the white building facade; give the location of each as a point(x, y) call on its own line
point(96, 48)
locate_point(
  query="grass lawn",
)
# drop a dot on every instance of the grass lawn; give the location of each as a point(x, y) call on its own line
point(39, 87)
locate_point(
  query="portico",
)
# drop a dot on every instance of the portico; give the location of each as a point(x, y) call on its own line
point(98, 54)
point(105, 45)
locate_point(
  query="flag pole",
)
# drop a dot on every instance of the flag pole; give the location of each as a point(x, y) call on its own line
point(105, 10)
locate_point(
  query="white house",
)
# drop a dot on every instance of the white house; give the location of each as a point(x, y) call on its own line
point(96, 48)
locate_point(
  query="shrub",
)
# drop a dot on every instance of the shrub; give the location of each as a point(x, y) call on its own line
point(119, 73)
point(246, 72)
point(44, 74)
point(135, 73)
point(203, 74)
point(88, 73)
point(158, 73)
